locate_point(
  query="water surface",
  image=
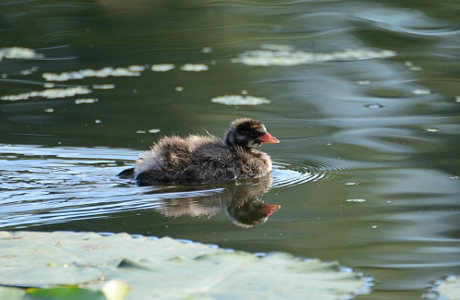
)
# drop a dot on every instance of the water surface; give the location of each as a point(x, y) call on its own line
point(363, 95)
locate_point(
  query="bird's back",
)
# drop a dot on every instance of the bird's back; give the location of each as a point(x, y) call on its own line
point(198, 159)
point(177, 160)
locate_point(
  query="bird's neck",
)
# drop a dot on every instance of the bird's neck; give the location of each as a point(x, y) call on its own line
point(230, 139)
point(231, 143)
point(241, 149)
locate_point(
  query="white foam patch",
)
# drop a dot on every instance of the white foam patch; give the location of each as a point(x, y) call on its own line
point(239, 100)
point(86, 100)
point(287, 56)
point(131, 71)
point(194, 67)
point(356, 200)
point(421, 92)
point(162, 67)
point(49, 93)
point(107, 86)
point(19, 53)
point(136, 68)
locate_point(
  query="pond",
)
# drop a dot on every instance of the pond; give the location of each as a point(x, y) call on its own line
point(364, 97)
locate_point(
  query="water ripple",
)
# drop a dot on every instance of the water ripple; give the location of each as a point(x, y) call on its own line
point(285, 175)
point(408, 21)
point(47, 185)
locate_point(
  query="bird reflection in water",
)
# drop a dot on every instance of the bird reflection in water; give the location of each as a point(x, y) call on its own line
point(241, 199)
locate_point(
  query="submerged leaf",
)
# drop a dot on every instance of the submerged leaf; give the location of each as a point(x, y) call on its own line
point(64, 293)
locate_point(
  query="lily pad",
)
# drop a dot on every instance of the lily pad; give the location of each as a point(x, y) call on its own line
point(450, 288)
point(11, 293)
point(167, 269)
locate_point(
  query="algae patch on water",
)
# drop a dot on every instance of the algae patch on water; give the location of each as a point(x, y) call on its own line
point(90, 260)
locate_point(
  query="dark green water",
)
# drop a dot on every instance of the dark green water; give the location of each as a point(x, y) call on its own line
point(367, 171)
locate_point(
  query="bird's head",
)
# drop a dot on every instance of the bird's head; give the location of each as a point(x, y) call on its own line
point(248, 133)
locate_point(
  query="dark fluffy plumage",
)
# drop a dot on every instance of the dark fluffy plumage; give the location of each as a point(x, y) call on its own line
point(206, 159)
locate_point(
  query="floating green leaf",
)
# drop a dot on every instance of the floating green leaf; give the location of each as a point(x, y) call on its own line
point(64, 293)
point(166, 269)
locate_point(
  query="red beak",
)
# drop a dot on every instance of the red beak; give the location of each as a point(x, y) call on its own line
point(269, 209)
point(268, 138)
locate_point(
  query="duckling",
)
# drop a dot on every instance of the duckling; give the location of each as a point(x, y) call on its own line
point(206, 159)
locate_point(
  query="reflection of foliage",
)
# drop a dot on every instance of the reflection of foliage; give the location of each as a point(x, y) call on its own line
point(160, 269)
